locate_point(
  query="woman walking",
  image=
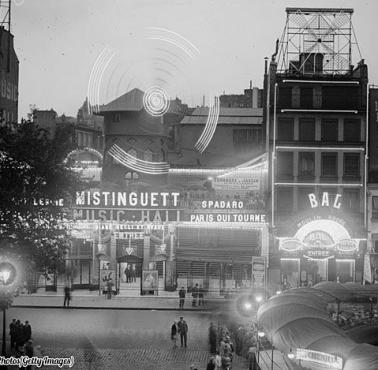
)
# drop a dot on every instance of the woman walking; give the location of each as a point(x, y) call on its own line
point(174, 334)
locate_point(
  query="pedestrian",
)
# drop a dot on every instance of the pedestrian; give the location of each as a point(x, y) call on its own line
point(27, 331)
point(182, 327)
point(201, 294)
point(212, 338)
point(20, 335)
point(195, 295)
point(218, 361)
point(133, 274)
point(211, 364)
point(67, 296)
point(174, 334)
point(252, 363)
point(29, 351)
point(182, 298)
point(12, 333)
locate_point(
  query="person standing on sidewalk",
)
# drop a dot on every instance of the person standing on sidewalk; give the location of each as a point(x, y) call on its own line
point(201, 294)
point(182, 298)
point(174, 334)
point(67, 296)
point(27, 331)
point(12, 333)
point(195, 295)
point(183, 330)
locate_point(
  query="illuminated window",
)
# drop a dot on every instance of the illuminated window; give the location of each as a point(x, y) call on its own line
point(352, 164)
point(329, 164)
point(306, 164)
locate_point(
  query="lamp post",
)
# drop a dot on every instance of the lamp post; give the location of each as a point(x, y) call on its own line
point(260, 334)
point(7, 277)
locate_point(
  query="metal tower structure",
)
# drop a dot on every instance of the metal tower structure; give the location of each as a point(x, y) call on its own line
point(5, 14)
point(317, 41)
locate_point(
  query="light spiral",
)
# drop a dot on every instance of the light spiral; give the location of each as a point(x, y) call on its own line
point(156, 101)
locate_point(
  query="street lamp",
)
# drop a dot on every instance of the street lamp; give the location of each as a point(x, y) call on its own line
point(260, 334)
point(291, 355)
point(8, 276)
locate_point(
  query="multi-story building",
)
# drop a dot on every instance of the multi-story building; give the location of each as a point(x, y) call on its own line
point(8, 76)
point(252, 98)
point(317, 139)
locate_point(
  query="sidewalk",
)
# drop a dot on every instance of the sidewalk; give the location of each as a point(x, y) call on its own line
point(278, 360)
point(86, 299)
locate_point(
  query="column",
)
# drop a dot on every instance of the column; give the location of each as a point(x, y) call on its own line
point(146, 252)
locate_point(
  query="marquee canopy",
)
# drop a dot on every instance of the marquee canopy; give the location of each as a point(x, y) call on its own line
point(299, 319)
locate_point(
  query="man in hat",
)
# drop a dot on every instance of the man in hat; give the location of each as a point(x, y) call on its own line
point(182, 328)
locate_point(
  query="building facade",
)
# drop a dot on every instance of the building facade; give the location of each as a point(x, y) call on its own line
point(317, 140)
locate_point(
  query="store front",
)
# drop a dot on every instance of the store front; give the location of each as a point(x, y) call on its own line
point(218, 255)
point(321, 244)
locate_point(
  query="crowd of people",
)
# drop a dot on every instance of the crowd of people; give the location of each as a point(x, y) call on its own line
point(198, 296)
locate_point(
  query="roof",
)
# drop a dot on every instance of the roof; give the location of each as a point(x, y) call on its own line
point(299, 319)
point(131, 101)
point(227, 116)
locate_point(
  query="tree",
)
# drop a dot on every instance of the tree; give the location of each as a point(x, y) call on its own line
point(32, 179)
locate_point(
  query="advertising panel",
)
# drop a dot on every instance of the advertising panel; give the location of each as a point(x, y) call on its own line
point(258, 272)
point(150, 280)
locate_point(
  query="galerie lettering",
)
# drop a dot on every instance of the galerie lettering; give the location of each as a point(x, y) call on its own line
point(123, 199)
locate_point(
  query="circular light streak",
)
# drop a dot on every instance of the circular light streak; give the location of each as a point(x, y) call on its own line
point(156, 101)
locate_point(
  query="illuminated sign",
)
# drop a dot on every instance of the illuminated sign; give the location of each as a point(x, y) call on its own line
point(322, 358)
point(227, 217)
point(129, 235)
point(126, 215)
point(124, 199)
point(222, 204)
point(317, 237)
point(325, 200)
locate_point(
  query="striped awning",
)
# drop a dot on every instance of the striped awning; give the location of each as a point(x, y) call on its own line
point(215, 244)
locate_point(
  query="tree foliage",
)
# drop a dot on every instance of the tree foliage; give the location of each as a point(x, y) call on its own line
point(32, 178)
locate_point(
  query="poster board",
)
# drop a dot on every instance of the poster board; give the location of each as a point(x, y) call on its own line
point(150, 280)
point(258, 272)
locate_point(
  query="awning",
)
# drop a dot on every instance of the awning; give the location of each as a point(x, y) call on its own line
point(217, 244)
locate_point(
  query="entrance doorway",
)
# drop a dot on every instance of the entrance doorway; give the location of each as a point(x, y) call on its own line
point(345, 270)
point(129, 271)
point(317, 271)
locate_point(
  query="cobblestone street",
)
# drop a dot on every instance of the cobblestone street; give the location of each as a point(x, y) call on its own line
point(137, 359)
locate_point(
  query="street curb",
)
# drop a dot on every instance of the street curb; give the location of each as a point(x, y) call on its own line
point(116, 308)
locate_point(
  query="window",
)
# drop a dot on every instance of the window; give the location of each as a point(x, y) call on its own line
point(329, 129)
point(307, 97)
point(133, 154)
point(352, 165)
point(352, 130)
point(329, 164)
point(246, 139)
point(284, 200)
point(131, 177)
point(285, 129)
point(374, 204)
point(307, 129)
point(284, 97)
point(306, 162)
point(117, 117)
point(351, 199)
point(148, 155)
point(374, 244)
point(284, 165)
